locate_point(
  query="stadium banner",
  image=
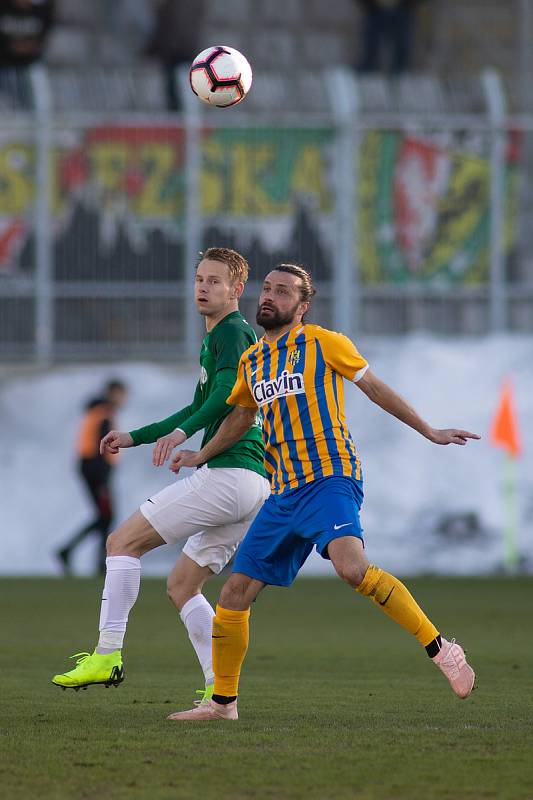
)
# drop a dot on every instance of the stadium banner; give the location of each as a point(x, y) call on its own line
point(424, 207)
point(120, 192)
point(423, 202)
point(17, 195)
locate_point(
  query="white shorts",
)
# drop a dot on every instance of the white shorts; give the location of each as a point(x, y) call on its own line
point(212, 509)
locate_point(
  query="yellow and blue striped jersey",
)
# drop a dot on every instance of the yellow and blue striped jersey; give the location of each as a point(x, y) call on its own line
point(297, 383)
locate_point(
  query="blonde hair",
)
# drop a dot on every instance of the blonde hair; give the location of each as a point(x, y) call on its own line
point(236, 264)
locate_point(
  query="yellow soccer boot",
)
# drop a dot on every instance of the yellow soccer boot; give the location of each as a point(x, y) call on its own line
point(106, 669)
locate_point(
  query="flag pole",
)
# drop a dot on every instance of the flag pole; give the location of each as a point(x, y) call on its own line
point(504, 433)
point(511, 515)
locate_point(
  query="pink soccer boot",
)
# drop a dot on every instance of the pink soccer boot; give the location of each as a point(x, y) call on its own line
point(206, 711)
point(452, 663)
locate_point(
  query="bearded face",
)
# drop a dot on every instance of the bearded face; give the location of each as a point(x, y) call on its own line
point(270, 317)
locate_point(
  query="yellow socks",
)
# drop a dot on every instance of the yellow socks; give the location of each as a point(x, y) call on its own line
point(230, 643)
point(398, 603)
point(231, 628)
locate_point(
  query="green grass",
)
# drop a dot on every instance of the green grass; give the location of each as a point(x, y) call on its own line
point(336, 702)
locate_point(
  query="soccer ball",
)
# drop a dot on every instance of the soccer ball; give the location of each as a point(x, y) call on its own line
point(220, 76)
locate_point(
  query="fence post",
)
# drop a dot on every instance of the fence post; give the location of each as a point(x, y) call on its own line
point(44, 267)
point(525, 62)
point(193, 221)
point(497, 109)
point(343, 92)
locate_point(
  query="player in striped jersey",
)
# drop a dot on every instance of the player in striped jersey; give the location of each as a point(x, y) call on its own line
point(295, 376)
point(307, 435)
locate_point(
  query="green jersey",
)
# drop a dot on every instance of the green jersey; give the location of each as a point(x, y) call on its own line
point(219, 358)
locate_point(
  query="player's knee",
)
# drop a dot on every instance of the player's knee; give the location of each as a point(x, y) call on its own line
point(117, 545)
point(112, 544)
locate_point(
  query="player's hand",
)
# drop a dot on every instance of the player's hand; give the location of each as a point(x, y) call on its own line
point(114, 441)
point(452, 436)
point(165, 445)
point(184, 458)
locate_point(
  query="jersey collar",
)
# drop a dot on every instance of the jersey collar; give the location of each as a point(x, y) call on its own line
point(231, 315)
point(292, 332)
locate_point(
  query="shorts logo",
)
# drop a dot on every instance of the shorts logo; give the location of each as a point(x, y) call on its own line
point(294, 357)
point(267, 391)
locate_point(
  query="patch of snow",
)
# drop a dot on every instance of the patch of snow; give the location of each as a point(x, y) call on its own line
point(417, 495)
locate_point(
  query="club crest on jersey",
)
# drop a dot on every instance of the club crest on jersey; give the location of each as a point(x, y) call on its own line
point(294, 357)
point(287, 383)
point(203, 375)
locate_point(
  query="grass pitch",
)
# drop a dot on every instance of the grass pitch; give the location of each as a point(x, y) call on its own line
point(336, 701)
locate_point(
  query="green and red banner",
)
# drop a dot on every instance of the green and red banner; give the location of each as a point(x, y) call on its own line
point(423, 201)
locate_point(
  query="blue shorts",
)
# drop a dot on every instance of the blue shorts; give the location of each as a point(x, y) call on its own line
point(283, 534)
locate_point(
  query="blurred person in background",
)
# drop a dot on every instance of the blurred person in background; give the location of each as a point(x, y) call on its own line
point(176, 41)
point(96, 470)
point(132, 22)
point(24, 27)
point(387, 35)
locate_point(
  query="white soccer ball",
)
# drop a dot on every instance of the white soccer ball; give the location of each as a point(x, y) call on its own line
point(220, 76)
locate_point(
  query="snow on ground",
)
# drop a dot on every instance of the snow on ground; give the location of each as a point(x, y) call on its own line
point(427, 508)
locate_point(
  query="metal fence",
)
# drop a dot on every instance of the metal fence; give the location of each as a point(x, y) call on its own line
point(408, 210)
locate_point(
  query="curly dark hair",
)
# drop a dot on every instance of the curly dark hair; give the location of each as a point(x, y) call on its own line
point(307, 290)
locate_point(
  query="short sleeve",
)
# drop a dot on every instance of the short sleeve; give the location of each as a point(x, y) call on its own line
point(229, 346)
point(240, 394)
point(343, 356)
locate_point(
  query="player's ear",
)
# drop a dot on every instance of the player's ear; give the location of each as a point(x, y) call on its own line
point(238, 289)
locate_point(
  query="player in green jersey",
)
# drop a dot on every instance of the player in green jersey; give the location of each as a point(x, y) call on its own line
point(209, 510)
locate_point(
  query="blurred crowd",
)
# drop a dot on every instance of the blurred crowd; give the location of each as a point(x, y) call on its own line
point(387, 32)
point(24, 28)
point(166, 31)
point(170, 33)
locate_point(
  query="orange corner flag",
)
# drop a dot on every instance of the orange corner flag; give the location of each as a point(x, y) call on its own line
point(504, 429)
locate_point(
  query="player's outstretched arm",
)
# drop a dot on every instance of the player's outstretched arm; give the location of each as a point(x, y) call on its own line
point(232, 429)
point(385, 397)
point(149, 434)
point(115, 441)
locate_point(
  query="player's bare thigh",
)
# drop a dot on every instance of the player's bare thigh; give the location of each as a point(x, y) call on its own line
point(348, 556)
point(134, 537)
point(239, 592)
point(186, 580)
